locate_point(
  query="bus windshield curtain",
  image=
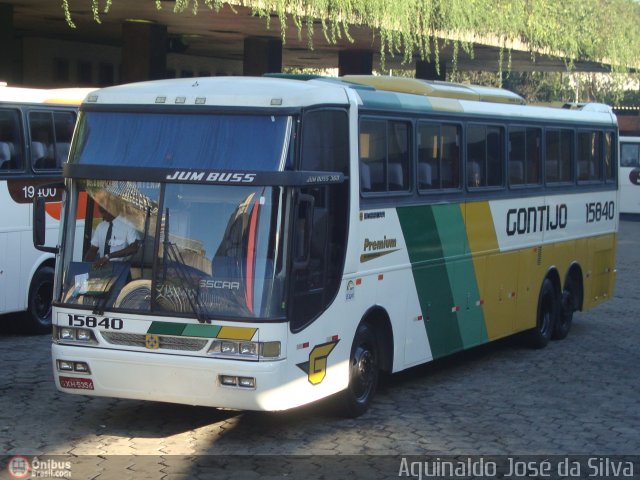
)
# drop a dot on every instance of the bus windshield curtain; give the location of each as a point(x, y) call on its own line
point(225, 142)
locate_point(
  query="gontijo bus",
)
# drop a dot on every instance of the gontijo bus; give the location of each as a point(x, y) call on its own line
point(35, 133)
point(295, 238)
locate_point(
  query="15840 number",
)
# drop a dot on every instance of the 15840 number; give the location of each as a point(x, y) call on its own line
point(92, 322)
point(597, 211)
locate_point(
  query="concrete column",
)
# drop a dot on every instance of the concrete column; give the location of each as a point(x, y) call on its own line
point(10, 51)
point(355, 62)
point(144, 51)
point(262, 55)
point(427, 70)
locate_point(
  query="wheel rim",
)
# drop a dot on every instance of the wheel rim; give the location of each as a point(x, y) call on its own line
point(364, 373)
point(41, 303)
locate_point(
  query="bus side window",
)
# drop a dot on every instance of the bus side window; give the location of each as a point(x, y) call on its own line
point(476, 156)
point(609, 158)
point(63, 123)
point(42, 141)
point(629, 153)
point(589, 156)
point(11, 158)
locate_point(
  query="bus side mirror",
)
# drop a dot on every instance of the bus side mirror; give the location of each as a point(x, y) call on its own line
point(303, 231)
point(39, 226)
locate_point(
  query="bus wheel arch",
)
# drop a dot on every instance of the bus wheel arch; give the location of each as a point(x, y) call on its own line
point(547, 311)
point(378, 319)
point(38, 315)
point(574, 281)
point(571, 297)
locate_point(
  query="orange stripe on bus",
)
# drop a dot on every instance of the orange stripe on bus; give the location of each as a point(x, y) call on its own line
point(251, 252)
point(53, 209)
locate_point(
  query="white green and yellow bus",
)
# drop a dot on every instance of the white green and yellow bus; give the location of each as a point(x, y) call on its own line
point(296, 237)
point(629, 175)
point(35, 134)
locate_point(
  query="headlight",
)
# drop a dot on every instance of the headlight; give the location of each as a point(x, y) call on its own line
point(83, 335)
point(249, 349)
point(245, 350)
point(67, 334)
point(229, 348)
point(74, 335)
point(64, 365)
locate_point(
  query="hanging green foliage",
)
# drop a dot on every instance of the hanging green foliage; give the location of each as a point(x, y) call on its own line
point(596, 30)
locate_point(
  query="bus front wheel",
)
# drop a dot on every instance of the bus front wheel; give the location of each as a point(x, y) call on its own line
point(364, 370)
point(548, 312)
point(38, 316)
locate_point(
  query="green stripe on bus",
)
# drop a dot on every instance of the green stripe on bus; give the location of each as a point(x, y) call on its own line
point(166, 328)
point(206, 331)
point(431, 277)
point(462, 277)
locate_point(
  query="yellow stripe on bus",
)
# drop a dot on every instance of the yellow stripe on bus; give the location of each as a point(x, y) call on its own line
point(63, 101)
point(236, 333)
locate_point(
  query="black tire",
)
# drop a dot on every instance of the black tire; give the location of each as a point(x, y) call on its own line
point(548, 311)
point(364, 372)
point(565, 315)
point(38, 316)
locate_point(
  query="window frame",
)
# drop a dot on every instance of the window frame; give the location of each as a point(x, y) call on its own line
point(387, 119)
point(572, 156)
point(461, 155)
point(485, 188)
point(19, 129)
point(526, 184)
point(600, 149)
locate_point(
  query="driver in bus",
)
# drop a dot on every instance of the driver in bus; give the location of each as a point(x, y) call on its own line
point(114, 239)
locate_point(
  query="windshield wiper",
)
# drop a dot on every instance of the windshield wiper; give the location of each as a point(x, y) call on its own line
point(105, 296)
point(184, 279)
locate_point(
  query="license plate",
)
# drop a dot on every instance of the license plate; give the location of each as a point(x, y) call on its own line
point(77, 383)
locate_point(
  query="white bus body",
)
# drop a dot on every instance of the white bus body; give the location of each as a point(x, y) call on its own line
point(629, 175)
point(35, 134)
point(296, 237)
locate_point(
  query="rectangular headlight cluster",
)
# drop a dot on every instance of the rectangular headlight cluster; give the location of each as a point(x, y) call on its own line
point(245, 350)
point(73, 335)
point(73, 366)
point(241, 382)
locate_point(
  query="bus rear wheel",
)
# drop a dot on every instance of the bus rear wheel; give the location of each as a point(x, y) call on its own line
point(38, 316)
point(565, 315)
point(548, 312)
point(364, 370)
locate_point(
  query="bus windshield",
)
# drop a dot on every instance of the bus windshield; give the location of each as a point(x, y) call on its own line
point(175, 249)
point(175, 140)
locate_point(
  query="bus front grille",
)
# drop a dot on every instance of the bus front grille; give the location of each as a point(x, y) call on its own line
point(166, 341)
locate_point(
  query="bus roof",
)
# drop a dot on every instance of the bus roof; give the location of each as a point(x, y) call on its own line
point(58, 96)
point(223, 91)
point(437, 89)
point(374, 92)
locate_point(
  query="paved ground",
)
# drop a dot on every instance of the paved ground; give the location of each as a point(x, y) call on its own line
point(577, 396)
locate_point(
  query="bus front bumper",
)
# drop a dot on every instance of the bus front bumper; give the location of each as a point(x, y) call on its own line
point(173, 378)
